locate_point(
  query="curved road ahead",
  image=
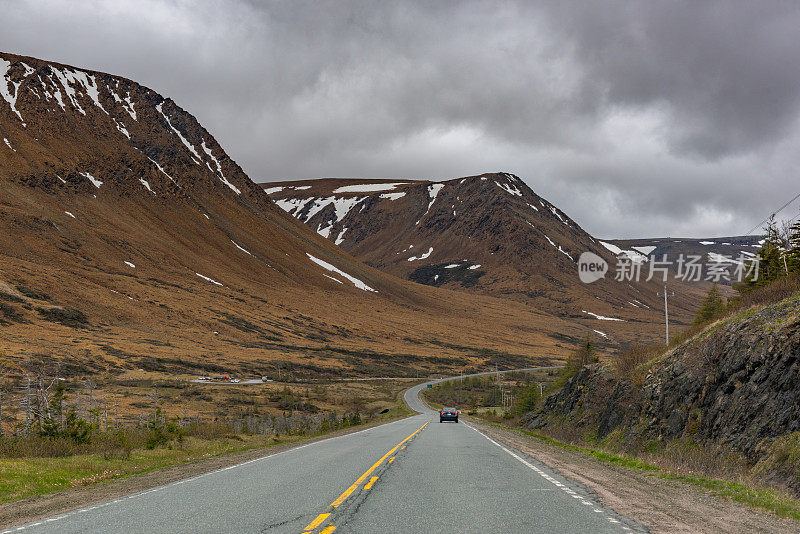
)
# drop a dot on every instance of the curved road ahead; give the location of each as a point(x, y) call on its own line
point(412, 475)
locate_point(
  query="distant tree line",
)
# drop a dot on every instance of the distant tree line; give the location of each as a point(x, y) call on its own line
point(776, 276)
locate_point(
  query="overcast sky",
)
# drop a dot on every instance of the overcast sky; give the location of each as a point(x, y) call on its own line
point(638, 119)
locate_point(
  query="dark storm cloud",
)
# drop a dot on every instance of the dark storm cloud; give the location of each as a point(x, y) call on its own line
point(636, 118)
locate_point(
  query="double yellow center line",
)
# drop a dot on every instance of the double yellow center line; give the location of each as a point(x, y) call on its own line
point(349, 491)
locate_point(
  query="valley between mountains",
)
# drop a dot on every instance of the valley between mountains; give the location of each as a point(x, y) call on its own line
point(134, 246)
point(132, 243)
point(159, 307)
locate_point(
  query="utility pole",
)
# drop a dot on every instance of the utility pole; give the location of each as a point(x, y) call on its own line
point(27, 404)
point(666, 309)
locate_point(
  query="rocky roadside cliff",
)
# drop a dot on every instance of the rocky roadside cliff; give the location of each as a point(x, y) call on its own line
point(735, 386)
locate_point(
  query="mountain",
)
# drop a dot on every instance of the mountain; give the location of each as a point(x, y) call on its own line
point(132, 243)
point(488, 234)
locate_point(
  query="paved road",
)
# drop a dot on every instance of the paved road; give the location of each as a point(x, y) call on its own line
point(413, 475)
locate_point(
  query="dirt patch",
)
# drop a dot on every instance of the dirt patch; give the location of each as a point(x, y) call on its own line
point(32, 508)
point(661, 505)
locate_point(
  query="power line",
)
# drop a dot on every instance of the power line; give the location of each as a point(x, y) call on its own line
point(773, 214)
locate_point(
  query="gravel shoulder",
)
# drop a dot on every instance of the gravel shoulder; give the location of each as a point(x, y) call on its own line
point(661, 505)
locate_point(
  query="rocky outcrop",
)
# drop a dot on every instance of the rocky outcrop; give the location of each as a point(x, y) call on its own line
point(735, 385)
point(738, 384)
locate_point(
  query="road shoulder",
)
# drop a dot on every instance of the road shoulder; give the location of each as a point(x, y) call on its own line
point(29, 509)
point(661, 505)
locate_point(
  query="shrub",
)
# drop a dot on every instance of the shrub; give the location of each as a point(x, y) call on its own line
point(66, 316)
point(528, 399)
point(627, 364)
point(713, 306)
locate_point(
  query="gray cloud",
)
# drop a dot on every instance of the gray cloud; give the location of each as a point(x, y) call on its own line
point(636, 118)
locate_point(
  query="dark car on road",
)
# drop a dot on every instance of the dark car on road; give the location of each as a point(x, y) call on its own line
point(448, 414)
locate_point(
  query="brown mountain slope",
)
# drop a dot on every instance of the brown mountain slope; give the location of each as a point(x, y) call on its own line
point(130, 240)
point(488, 234)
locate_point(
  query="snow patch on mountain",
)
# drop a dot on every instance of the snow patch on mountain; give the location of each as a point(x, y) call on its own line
point(602, 317)
point(433, 192)
point(646, 250)
point(219, 168)
point(5, 66)
point(147, 185)
point(508, 188)
point(160, 168)
point(341, 206)
point(633, 255)
point(185, 142)
point(423, 256)
point(207, 279)
point(121, 127)
point(393, 196)
point(355, 281)
point(367, 188)
point(561, 250)
point(95, 182)
point(126, 104)
point(293, 206)
point(241, 248)
point(340, 238)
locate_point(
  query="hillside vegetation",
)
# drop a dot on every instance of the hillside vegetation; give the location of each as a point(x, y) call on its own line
point(723, 398)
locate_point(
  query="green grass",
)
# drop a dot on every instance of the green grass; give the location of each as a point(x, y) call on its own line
point(25, 477)
point(755, 496)
point(29, 476)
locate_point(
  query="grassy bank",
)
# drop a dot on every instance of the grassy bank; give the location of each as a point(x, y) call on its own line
point(38, 464)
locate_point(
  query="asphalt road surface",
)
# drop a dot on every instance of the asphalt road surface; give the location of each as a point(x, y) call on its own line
point(413, 475)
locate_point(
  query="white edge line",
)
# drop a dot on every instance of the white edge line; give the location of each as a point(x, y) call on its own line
point(539, 471)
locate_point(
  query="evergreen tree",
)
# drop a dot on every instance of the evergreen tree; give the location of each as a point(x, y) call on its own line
point(713, 306)
point(583, 355)
point(770, 257)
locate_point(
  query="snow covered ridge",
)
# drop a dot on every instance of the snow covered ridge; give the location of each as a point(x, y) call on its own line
point(325, 265)
point(634, 255)
point(433, 192)
point(367, 188)
point(51, 82)
point(9, 96)
point(509, 188)
point(341, 207)
point(57, 89)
